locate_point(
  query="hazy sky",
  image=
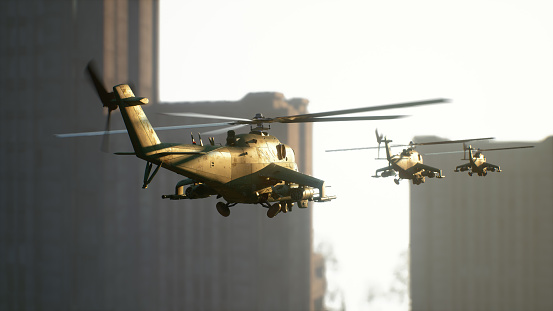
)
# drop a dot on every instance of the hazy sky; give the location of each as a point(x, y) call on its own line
point(494, 59)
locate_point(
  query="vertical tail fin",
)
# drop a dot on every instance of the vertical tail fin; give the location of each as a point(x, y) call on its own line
point(388, 150)
point(470, 154)
point(140, 130)
point(378, 140)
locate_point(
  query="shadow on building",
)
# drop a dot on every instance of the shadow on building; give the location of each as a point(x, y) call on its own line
point(77, 232)
point(485, 243)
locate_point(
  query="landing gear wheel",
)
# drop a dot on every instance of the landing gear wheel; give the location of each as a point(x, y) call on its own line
point(273, 210)
point(223, 209)
point(470, 173)
point(396, 181)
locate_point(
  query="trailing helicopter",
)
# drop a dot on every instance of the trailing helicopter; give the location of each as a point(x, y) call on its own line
point(477, 162)
point(408, 164)
point(253, 168)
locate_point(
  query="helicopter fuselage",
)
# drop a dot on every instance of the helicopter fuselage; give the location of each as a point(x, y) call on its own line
point(408, 164)
point(406, 160)
point(250, 168)
point(477, 160)
point(233, 171)
point(477, 164)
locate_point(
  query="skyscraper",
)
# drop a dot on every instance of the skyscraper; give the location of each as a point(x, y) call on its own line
point(77, 232)
point(249, 261)
point(485, 243)
point(56, 247)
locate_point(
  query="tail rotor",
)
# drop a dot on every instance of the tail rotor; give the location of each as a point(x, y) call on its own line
point(107, 99)
point(465, 149)
point(379, 140)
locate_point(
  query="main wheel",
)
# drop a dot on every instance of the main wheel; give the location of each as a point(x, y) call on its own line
point(223, 209)
point(273, 210)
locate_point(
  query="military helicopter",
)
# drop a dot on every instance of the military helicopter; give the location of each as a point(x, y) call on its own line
point(408, 164)
point(253, 168)
point(477, 161)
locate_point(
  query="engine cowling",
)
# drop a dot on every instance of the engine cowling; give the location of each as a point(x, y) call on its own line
point(388, 173)
point(199, 191)
point(430, 174)
point(300, 194)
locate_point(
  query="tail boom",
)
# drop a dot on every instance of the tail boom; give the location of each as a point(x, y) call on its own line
point(142, 135)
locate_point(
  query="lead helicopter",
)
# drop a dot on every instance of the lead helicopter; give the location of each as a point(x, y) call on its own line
point(477, 162)
point(408, 164)
point(253, 168)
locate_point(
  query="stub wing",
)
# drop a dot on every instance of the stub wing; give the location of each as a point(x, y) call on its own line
point(385, 172)
point(285, 174)
point(463, 167)
point(492, 167)
point(427, 170)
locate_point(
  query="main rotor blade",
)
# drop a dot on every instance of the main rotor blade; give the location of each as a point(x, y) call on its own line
point(84, 134)
point(201, 115)
point(363, 109)
point(365, 148)
point(224, 130)
point(307, 120)
point(443, 152)
point(350, 149)
point(418, 144)
point(506, 148)
point(164, 128)
point(477, 149)
point(451, 141)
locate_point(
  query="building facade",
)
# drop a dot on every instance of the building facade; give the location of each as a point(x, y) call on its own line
point(260, 263)
point(77, 232)
point(485, 243)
